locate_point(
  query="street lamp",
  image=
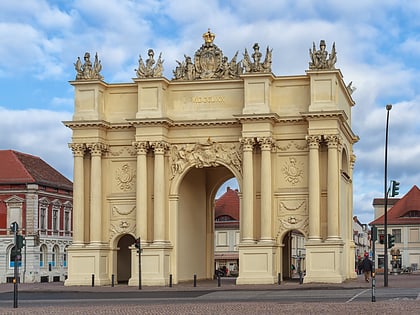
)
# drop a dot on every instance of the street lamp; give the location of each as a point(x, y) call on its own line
point(388, 108)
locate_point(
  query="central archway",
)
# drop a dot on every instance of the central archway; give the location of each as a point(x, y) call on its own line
point(195, 241)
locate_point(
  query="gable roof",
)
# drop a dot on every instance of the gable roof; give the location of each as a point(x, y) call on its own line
point(22, 168)
point(398, 213)
point(227, 204)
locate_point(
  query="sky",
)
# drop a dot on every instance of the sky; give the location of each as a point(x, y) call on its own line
point(378, 49)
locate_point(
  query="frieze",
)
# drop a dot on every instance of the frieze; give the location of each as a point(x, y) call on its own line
point(122, 151)
point(204, 155)
point(291, 145)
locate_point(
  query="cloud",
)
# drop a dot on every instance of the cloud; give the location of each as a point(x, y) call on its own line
point(40, 133)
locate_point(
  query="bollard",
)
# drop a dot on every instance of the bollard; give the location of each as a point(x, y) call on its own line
point(218, 280)
point(300, 277)
point(170, 280)
point(93, 280)
point(195, 280)
point(112, 280)
point(279, 278)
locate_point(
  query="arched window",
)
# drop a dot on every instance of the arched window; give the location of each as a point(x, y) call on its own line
point(55, 259)
point(43, 252)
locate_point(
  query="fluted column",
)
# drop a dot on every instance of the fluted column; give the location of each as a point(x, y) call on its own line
point(314, 188)
point(266, 209)
point(248, 191)
point(333, 187)
point(78, 193)
point(159, 219)
point(96, 150)
point(141, 190)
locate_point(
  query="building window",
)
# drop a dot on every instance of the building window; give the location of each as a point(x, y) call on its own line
point(43, 256)
point(67, 220)
point(55, 220)
point(397, 234)
point(65, 257)
point(42, 218)
point(414, 235)
point(55, 256)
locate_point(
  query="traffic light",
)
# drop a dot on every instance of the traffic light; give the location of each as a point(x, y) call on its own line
point(395, 187)
point(381, 238)
point(391, 240)
point(374, 233)
point(20, 241)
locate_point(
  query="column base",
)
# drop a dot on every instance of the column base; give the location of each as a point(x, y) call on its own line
point(155, 265)
point(257, 264)
point(324, 262)
point(83, 262)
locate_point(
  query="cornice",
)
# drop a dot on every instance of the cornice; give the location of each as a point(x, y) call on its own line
point(74, 124)
point(166, 122)
point(215, 122)
point(273, 117)
point(322, 114)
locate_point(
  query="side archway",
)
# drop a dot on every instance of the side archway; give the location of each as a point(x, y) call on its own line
point(124, 258)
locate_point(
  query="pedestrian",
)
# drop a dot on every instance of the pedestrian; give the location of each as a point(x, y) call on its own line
point(366, 265)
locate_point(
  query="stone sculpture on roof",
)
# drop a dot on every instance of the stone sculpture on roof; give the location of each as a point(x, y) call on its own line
point(148, 69)
point(209, 63)
point(256, 65)
point(85, 71)
point(320, 60)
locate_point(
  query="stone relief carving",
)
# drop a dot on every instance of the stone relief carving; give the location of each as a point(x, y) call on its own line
point(148, 69)
point(209, 63)
point(116, 211)
point(293, 171)
point(204, 155)
point(293, 215)
point(125, 176)
point(256, 65)
point(85, 71)
point(290, 145)
point(320, 60)
point(121, 227)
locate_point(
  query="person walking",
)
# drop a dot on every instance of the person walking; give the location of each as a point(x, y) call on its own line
point(366, 265)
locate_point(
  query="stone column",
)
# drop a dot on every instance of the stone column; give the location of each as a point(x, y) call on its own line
point(159, 219)
point(96, 150)
point(333, 187)
point(141, 190)
point(247, 215)
point(266, 204)
point(314, 188)
point(78, 193)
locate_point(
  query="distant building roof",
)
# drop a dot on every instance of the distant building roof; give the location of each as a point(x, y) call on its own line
point(22, 168)
point(227, 206)
point(405, 211)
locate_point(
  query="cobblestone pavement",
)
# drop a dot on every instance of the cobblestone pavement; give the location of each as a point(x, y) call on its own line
point(394, 306)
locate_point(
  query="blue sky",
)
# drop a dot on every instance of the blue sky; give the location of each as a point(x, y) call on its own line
point(378, 49)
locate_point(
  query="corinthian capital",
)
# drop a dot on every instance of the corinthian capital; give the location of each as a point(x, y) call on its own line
point(265, 143)
point(333, 141)
point(247, 143)
point(313, 141)
point(141, 146)
point(97, 148)
point(159, 147)
point(78, 149)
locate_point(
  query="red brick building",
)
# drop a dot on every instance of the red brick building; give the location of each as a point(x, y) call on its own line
point(40, 200)
point(403, 221)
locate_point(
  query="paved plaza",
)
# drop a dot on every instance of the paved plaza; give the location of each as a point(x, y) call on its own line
point(390, 306)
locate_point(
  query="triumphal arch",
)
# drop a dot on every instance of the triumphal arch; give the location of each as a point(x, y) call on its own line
point(149, 156)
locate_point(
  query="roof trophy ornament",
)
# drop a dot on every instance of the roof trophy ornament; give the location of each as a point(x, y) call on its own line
point(257, 65)
point(85, 71)
point(320, 60)
point(209, 63)
point(148, 69)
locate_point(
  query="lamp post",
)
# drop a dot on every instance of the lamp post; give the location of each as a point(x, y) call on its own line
point(388, 108)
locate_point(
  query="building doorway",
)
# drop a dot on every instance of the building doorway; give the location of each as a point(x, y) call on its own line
point(124, 258)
